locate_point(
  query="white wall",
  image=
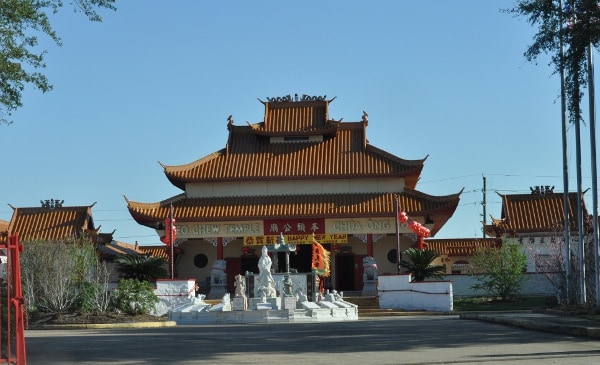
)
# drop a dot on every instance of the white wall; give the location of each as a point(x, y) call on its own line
point(398, 292)
point(325, 186)
point(535, 284)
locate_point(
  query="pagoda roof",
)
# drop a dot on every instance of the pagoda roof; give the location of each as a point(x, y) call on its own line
point(460, 246)
point(296, 117)
point(534, 213)
point(438, 209)
point(250, 156)
point(52, 222)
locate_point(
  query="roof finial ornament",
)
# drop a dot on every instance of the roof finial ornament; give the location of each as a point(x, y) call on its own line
point(365, 117)
point(230, 120)
point(289, 98)
point(52, 203)
point(542, 190)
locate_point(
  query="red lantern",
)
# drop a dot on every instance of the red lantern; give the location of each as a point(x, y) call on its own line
point(426, 232)
point(414, 226)
point(402, 217)
point(170, 232)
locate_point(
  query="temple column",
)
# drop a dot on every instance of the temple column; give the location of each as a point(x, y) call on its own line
point(369, 239)
point(219, 248)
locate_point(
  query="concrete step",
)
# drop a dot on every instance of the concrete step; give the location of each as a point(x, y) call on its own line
point(364, 302)
point(372, 312)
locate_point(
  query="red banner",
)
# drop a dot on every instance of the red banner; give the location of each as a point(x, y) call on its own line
point(294, 226)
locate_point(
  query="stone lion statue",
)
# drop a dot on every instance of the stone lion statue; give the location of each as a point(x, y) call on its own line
point(369, 269)
point(218, 275)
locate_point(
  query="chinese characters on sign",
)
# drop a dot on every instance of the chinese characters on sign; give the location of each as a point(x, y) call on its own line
point(294, 226)
point(297, 239)
point(288, 227)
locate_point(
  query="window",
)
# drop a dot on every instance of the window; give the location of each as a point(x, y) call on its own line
point(461, 267)
point(200, 260)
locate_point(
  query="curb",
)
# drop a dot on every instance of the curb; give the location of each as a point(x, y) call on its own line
point(122, 325)
point(537, 324)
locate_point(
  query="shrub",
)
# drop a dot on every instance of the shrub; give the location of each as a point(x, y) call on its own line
point(500, 270)
point(143, 268)
point(58, 276)
point(420, 264)
point(134, 297)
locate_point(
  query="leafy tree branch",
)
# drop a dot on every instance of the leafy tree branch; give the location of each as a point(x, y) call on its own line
point(21, 22)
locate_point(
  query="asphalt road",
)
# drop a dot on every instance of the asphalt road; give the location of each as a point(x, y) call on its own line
point(385, 340)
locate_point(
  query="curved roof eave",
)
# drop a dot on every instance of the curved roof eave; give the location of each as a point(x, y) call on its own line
point(282, 206)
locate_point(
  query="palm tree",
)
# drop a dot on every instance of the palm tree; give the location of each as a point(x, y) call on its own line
point(143, 268)
point(420, 264)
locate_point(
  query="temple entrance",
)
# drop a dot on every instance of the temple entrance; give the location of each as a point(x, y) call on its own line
point(249, 263)
point(344, 268)
point(300, 260)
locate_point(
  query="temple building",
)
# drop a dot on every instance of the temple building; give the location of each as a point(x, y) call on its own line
point(298, 174)
point(53, 221)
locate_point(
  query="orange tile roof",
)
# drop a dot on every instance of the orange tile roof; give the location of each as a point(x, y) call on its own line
point(250, 156)
point(155, 251)
point(438, 208)
point(116, 248)
point(460, 246)
point(533, 213)
point(296, 119)
point(51, 223)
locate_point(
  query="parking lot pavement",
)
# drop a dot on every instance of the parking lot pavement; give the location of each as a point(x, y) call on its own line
point(408, 340)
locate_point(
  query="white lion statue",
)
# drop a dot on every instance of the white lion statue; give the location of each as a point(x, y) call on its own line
point(369, 268)
point(218, 275)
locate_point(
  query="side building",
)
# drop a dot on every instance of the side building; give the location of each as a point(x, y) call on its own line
point(298, 173)
point(54, 221)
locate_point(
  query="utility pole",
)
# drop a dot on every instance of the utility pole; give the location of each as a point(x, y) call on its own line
point(484, 203)
point(592, 108)
point(567, 220)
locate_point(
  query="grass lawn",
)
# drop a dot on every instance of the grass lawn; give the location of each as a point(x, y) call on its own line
point(489, 304)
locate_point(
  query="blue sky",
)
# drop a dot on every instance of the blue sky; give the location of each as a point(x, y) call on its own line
point(156, 81)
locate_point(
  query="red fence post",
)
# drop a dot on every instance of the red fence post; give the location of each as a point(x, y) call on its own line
point(15, 328)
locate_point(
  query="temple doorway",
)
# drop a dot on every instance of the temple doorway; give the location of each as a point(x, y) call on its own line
point(344, 268)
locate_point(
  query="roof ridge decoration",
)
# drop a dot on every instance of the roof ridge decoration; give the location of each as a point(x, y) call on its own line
point(288, 98)
point(542, 190)
point(52, 203)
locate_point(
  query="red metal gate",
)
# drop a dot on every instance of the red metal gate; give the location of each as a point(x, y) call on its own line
point(12, 329)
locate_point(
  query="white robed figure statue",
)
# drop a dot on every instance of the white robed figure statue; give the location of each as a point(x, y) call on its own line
point(266, 284)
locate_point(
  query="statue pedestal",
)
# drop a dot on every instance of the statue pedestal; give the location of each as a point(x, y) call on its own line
point(289, 303)
point(369, 288)
point(217, 291)
point(270, 303)
point(240, 304)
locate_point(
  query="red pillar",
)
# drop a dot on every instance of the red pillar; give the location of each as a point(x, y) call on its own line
point(219, 248)
point(370, 244)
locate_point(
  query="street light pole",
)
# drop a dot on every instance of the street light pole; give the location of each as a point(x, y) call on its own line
point(592, 108)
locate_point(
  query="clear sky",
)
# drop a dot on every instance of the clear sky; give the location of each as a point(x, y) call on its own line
point(156, 81)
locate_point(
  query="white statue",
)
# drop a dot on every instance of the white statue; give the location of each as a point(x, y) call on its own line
point(369, 268)
point(240, 286)
point(266, 284)
point(218, 275)
point(301, 297)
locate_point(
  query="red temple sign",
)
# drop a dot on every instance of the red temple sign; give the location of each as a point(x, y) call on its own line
point(294, 226)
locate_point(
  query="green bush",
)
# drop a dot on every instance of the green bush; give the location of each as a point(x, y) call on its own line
point(87, 301)
point(134, 297)
point(500, 271)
